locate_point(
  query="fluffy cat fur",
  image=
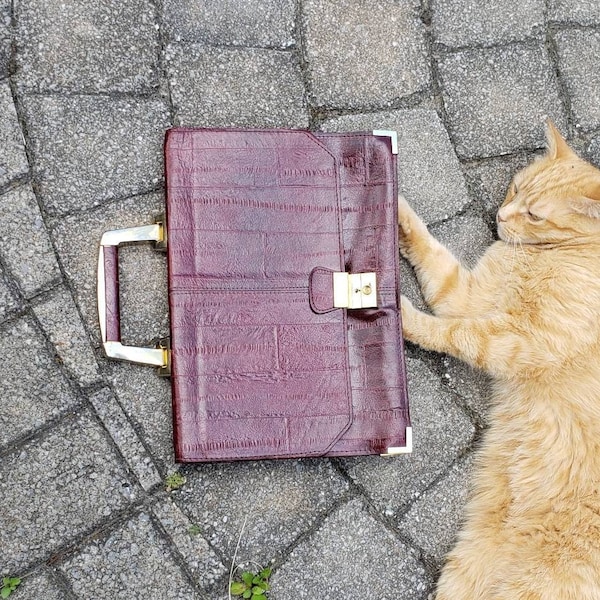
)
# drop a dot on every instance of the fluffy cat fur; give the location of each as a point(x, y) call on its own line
point(529, 315)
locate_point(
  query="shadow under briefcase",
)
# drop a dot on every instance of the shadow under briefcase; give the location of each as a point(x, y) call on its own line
point(285, 334)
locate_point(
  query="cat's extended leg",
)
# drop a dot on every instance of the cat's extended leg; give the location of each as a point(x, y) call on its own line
point(488, 343)
point(471, 568)
point(444, 280)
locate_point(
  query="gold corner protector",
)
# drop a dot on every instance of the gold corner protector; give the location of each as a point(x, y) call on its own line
point(407, 449)
point(161, 242)
point(164, 344)
point(393, 135)
point(145, 233)
point(158, 357)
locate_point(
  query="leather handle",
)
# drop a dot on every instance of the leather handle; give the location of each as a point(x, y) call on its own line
point(108, 295)
point(112, 318)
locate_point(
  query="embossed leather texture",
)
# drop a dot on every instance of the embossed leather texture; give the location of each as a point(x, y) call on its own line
point(263, 366)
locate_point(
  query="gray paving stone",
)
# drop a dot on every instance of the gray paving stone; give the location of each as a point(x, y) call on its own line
point(125, 437)
point(593, 150)
point(35, 389)
point(466, 236)
point(13, 161)
point(143, 292)
point(5, 37)
point(131, 562)
point(260, 23)
point(473, 386)
point(583, 12)
point(579, 64)
point(8, 300)
point(280, 499)
point(364, 54)
point(441, 433)
point(203, 563)
point(146, 399)
point(578, 144)
point(497, 98)
point(24, 242)
point(80, 46)
point(429, 174)
point(467, 22)
point(489, 179)
point(351, 556)
point(221, 87)
point(55, 488)
point(434, 519)
point(60, 320)
point(40, 585)
point(88, 150)
point(142, 277)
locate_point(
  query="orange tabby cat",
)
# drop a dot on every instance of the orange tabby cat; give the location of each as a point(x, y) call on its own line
point(529, 315)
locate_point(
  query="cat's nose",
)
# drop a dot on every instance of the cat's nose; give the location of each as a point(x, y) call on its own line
point(500, 218)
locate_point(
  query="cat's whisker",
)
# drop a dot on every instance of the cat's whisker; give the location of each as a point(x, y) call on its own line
point(512, 248)
point(527, 254)
point(514, 258)
point(521, 249)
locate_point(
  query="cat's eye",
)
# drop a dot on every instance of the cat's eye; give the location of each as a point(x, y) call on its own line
point(515, 189)
point(534, 217)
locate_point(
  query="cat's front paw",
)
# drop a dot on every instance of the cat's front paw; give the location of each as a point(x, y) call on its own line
point(405, 214)
point(410, 226)
point(404, 222)
point(408, 312)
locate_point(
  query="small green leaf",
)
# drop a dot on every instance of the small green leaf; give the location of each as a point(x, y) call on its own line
point(256, 590)
point(194, 530)
point(259, 597)
point(265, 573)
point(174, 481)
point(6, 581)
point(256, 580)
point(247, 594)
point(247, 578)
point(5, 592)
point(14, 581)
point(238, 588)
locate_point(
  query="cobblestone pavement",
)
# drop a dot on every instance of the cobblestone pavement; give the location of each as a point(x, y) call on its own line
point(87, 89)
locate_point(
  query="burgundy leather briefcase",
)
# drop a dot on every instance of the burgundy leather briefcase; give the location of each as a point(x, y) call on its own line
point(284, 298)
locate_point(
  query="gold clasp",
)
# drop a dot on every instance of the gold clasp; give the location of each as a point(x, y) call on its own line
point(355, 290)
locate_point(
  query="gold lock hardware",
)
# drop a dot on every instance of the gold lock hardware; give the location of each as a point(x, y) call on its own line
point(355, 290)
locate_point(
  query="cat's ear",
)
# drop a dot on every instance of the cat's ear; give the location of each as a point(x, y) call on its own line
point(557, 146)
point(589, 207)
